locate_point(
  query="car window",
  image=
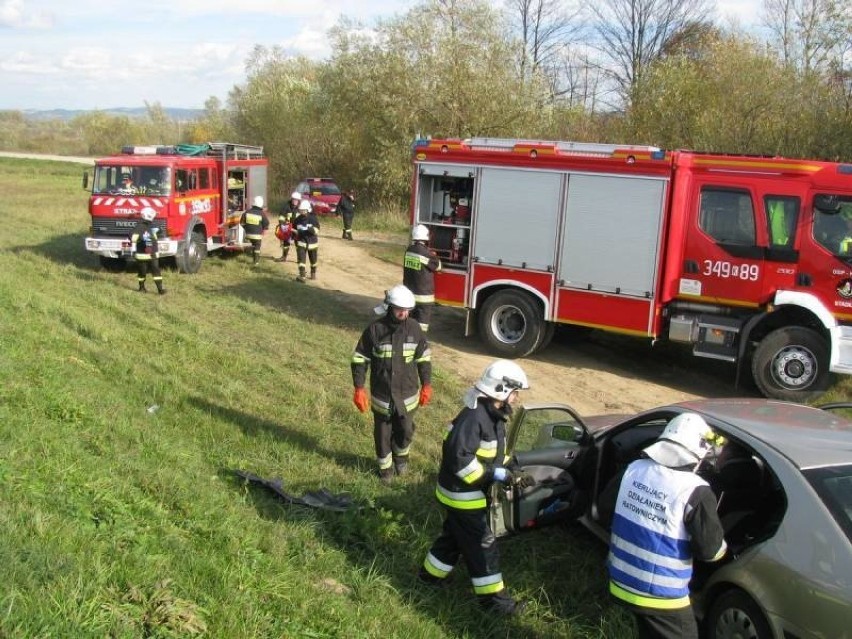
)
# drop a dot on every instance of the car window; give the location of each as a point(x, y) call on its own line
point(834, 486)
point(547, 428)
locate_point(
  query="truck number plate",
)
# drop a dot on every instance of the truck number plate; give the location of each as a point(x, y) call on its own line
point(727, 270)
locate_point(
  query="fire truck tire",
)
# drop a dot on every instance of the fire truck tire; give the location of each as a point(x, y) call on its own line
point(791, 364)
point(193, 253)
point(113, 264)
point(546, 336)
point(511, 324)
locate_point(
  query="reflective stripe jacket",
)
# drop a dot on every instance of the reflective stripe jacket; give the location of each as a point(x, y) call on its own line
point(418, 272)
point(400, 360)
point(663, 517)
point(474, 443)
point(144, 239)
point(306, 226)
point(254, 222)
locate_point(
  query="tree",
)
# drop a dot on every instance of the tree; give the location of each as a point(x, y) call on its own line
point(812, 35)
point(631, 34)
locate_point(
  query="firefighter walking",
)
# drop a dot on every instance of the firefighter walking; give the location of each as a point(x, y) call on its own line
point(306, 226)
point(474, 456)
point(418, 274)
point(400, 362)
point(255, 223)
point(346, 208)
point(284, 230)
point(144, 239)
point(650, 559)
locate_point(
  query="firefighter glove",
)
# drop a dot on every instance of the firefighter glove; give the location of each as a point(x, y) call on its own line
point(425, 394)
point(360, 399)
point(501, 474)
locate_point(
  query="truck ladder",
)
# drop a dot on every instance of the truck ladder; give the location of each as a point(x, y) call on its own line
point(588, 149)
point(230, 151)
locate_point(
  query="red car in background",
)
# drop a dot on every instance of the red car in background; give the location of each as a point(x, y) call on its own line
point(322, 192)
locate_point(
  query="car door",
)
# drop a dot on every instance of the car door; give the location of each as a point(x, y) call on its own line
point(548, 441)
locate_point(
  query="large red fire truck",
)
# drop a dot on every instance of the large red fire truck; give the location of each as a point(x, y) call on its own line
point(198, 192)
point(747, 259)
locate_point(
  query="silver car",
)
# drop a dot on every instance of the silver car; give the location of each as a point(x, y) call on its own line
point(785, 501)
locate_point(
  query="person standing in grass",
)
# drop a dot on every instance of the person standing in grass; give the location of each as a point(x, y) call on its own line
point(255, 223)
point(473, 457)
point(144, 240)
point(306, 226)
point(284, 230)
point(400, 362)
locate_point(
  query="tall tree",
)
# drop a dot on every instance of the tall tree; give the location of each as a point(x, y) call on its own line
point(631, 34)
point(812, 35)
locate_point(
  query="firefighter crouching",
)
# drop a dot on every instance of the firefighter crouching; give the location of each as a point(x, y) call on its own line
point(284, 230)
point(473, 456)
point(146, 250)
point(306, 226)
point(400, 362)
point(255, 223)
point(418, 274)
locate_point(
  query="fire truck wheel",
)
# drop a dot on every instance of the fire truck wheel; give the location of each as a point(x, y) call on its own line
point(791, 364)
point(189, 259)
point(511, 324)
point(113, 264)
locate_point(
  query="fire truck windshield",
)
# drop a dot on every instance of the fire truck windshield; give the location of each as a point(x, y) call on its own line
point(119, 179)
point(833, 225)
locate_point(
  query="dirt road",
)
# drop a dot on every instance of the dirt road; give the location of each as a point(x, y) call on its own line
point(594, 373)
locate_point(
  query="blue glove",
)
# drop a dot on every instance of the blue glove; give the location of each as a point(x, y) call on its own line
point(501, 474)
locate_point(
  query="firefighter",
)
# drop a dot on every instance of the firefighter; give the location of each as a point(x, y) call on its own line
point(663, 514)
point(400, 362)
point(255, 223)
point(306, 226)
point(146, 250)
point(474, 456)
point(346, 207)
point(284, 231)
point(418, 274)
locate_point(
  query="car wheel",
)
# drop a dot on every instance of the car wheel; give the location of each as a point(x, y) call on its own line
point(734, 615)
point(791, 364)
point(510, 323)
point(192, 254)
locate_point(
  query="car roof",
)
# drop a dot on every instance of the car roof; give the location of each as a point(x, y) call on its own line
point(807, 436)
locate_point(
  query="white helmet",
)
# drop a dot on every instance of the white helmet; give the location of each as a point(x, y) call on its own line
point(420, 233)
point(399, 297)
point(500, 378)
point(684, 441)
point(258, 201)
point(295, 195)
point(305, 206)
point(148, 214)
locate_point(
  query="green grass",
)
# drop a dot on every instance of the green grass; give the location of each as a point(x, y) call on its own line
point(119, 522)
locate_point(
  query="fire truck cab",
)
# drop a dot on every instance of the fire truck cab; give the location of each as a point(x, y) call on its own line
point(747, 259)
point(198, 192)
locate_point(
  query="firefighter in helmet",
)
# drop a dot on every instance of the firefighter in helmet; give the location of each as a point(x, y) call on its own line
point(255, 223)
point(400, 362)
point(474, 456)
point(306, 226)
point(144, 239)
point(284, 230)
point(418, 274)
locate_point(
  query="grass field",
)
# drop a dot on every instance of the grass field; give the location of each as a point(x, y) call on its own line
point(123, 522)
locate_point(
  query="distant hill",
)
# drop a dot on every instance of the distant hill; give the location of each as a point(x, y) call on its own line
point(135, 112)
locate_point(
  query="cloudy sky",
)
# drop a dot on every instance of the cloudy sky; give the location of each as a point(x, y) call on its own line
point(91, 54)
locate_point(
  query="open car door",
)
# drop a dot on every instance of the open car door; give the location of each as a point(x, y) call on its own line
point(547, 441)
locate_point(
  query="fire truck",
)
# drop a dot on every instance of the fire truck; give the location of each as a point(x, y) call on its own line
point(198, 192)
point(745, 259)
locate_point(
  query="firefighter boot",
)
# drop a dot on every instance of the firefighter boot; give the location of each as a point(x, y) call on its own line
point(301, 276)
point(501, 603)
point(142, 286)
point(386, 475)
point(160, 288)
point(255, 258)
point(313, 272)
point(400, 465)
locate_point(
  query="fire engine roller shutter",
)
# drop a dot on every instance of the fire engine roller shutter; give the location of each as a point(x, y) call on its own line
point(516, 217)
point(611, 235)
point(256, 183)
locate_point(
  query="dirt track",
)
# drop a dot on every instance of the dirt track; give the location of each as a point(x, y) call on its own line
point(595, 373)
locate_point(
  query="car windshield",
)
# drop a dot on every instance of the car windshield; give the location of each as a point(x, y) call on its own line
point(117, 179)
point(325, 189)
point(834, 486)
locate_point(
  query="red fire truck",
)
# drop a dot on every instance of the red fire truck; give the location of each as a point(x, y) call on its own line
point(198, 191)
point(747, 259)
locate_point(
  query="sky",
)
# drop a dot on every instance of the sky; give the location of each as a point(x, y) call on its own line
point(91, 54)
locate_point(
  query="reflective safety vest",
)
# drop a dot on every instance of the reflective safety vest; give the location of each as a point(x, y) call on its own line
point(650, 559)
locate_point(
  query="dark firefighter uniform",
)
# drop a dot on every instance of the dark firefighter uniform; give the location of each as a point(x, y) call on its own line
point(144, 240)
point(474, 443)
point(418, 274)
point(254, 223)
point(400, 360)
point(284, 231)
point(346, 208)
point(306, 226)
